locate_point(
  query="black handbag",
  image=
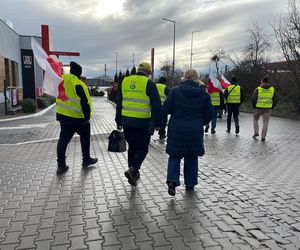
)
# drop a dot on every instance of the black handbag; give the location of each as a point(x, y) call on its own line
point(116, 142)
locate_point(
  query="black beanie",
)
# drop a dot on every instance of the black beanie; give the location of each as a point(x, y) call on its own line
point(162, 79)
point(75, 69)
point(233, 79)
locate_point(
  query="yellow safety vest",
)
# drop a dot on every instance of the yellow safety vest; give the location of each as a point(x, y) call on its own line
point(161, 90)
point(215, 99)
point(223, 90)
point(235, 95)
point(265, 98)
point(135, 103)
point(72, 106)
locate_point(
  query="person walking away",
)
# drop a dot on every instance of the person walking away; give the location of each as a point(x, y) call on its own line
point(190, 108)
point(73, 112)
point(234, 96)
point(138, 99)
point(163, 92)
point(264, 99)
point(217, 100)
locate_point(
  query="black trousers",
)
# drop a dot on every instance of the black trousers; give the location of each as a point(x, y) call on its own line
point(66, 133)
point(233, 110)
point(138, 143)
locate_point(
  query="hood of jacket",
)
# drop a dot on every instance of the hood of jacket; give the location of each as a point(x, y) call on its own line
point(190, 89)
point(265, 85)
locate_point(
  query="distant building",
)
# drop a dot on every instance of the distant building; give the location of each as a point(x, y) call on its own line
point(98, 82)
point(17, 66)
point(19, 69)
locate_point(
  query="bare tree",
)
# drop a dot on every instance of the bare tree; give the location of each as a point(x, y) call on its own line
point(287, 33)
point(257, 46)
point(166, 71)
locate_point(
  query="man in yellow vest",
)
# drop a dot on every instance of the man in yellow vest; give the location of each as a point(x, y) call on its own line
point(264, 99)
point(138, 100)
point(163, 92)
point(234, 96)
point(73, 113)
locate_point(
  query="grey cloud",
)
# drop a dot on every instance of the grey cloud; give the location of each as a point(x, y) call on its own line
point(76, 27)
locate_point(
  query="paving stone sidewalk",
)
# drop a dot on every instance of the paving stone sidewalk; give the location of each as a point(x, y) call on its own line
point(248, 195)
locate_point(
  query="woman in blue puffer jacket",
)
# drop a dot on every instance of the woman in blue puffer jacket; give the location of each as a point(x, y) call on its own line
point(190, 108)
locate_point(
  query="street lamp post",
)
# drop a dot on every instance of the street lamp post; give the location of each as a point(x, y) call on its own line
point(116, 53)
point(173, 66)
point(191, 62)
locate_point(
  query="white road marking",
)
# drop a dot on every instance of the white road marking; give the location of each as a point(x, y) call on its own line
point(26, 126)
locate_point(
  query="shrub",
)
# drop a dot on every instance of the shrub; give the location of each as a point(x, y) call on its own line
point(43, 102)
point(28, 105)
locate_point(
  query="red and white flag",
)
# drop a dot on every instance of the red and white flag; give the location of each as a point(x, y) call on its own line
point(213, 84)
point(224, 82)
point(53, 69)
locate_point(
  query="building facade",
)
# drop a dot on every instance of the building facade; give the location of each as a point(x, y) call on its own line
point(17, 67)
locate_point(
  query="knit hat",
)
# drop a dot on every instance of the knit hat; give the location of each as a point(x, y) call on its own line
point(233, 79)
point(75, 69)
point(162, 79)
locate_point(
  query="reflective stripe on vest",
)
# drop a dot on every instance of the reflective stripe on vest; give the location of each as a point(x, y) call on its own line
point(135, 101)
point(161, 91)
point(72, 107)
point(235, 94)
point(215, 99)
point(265, 98)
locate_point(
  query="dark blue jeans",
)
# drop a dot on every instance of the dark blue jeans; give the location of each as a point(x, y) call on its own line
point(190, 170)
point(214, 119)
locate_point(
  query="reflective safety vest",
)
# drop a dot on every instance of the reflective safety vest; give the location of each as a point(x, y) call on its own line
point(135, 103)
point(223, 91)
point(161, 90)
point(265, 98)
point(234, 96)
point(215, 98)
point(72, 107)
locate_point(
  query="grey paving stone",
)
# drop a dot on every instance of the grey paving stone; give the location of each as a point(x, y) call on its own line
point(235, 196)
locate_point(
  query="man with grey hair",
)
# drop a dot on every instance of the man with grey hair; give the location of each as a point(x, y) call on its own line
point(138, 99)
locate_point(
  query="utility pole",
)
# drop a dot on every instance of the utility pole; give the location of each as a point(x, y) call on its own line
point(173, 66)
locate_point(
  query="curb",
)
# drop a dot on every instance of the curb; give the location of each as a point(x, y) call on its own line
point(28, 116)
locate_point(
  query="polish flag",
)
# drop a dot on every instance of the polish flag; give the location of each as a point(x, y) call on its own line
point(213, 84)
point(224, 82)
point(53, 70)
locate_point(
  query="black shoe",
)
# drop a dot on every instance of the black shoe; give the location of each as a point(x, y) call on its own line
point(219, 116)
point(61, 169)
point(171, 189)
point(206, 129)
point(255, 136)
point(189, 188)
point(213, 131)
point(228, 130)
point(132, 175)
point(237, 129)
point(90, 161)
point(263, 139)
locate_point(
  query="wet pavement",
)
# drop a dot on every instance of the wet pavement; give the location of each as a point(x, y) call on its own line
point(248, 195)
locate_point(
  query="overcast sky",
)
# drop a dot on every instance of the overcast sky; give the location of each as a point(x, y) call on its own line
point(97, 28)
